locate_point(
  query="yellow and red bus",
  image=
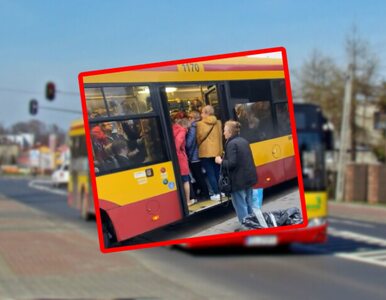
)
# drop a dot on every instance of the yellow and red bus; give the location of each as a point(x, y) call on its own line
point(79, 188)
point(135, 105)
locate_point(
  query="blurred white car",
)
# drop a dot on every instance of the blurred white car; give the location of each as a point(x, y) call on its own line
point(61, 175)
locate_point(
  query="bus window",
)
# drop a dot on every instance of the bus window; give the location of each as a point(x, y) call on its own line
point(283, 121)
point(78, 146)
point(312, 160)
point(128, 100)
point(126, 144)
point(95, 103)
point(278, 90)
point(251, 101)
point(184, 98)
point(301, 122)
point(187, 98)
point(250, 90)
point(256, 121)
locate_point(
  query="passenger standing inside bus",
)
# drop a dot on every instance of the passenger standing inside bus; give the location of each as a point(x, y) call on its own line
point(103, 136)
point(238, 160)
point(180, 125)
point(194, 161)
point(100, 140)
point(209, 140)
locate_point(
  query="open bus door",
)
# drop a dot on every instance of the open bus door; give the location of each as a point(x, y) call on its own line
point(165, 108)
point(212, 98)
point(186, 98)
point(216, 97)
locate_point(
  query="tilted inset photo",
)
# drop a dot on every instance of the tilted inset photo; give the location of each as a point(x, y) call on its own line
point(199, 150)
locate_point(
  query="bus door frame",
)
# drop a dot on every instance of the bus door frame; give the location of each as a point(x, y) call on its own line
point(222, 100)
point(161, 105)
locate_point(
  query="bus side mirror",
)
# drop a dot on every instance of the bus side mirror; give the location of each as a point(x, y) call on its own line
point(328, 134)
point(329, 140)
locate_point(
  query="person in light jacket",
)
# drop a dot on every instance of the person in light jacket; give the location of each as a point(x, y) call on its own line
point(209, 140)
point(238, 160)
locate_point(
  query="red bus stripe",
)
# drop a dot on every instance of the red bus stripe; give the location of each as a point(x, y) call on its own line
point(136, 218)
point(228, 67)
point(77, 127)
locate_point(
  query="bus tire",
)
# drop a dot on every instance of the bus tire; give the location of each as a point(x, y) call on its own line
point(109, 237)
point(84, 206)
point(284, 248)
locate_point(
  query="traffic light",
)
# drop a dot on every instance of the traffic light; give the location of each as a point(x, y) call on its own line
point(33, 107)
point(50, 91)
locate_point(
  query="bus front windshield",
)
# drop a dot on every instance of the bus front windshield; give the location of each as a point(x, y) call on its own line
point(312, 160)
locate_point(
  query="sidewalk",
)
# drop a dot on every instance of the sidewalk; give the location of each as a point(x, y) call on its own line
point(42, 257)
point(292, 199)
point(357, 211)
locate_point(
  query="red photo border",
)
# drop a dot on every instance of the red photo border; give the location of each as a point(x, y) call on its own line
point(203, 238)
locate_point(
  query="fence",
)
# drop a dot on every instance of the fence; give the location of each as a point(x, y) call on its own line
point(365, 183)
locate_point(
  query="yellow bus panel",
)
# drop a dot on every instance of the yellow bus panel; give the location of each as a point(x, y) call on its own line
point(77, 128)
point(141, 76)
point(316, 203)
point(134, 185)
point(272, 150)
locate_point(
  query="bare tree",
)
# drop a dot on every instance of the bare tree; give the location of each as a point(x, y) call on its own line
point(382, 97)
point(322, 83)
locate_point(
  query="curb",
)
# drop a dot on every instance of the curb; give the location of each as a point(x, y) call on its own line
point(358, 211)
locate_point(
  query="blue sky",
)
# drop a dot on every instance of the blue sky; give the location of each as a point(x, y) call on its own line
point(56, 40)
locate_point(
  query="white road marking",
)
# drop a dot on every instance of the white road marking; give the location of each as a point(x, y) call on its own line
point(370, 253)
point(37, 184)
point(375, 257)
point(357, 237)
point(349, 222)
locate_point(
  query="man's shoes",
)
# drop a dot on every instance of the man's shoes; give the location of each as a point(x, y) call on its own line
point(215, 197)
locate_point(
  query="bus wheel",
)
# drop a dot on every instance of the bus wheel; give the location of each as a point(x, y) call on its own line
point(284, 248)
point(84, 206)
point(109, 238)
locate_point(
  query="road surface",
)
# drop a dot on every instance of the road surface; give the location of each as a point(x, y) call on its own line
point(47, 251)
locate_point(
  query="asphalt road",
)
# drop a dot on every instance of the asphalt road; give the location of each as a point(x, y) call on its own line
point(352, 265)
point(48, 200)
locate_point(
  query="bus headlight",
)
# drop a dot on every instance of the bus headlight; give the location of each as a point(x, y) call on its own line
point(316, 222)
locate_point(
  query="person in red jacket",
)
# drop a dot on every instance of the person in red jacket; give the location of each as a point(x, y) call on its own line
point(180, 128)
point(100, 141)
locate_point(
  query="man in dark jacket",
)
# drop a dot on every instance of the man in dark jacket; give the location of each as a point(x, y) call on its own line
point(238, 161)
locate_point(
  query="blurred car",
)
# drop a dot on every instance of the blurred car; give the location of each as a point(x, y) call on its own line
point(60, 176)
